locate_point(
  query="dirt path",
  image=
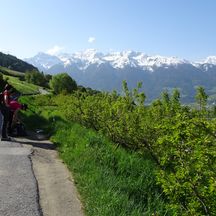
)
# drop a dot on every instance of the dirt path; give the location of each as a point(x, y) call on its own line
point(57, 193)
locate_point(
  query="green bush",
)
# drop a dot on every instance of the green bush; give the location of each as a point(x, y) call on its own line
point(178, 140)
point(62, 83)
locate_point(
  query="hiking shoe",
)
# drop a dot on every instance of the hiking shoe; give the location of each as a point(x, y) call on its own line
point(6, 139)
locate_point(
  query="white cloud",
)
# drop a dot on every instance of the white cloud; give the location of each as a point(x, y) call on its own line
point(91, 39)
point(55, 50)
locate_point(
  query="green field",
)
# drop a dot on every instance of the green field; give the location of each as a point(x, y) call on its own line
point(22, 86)
point(16, 79)
point(7, 71)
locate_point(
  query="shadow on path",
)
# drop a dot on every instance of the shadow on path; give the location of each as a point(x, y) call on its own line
point(34, 143)
point(32, 139)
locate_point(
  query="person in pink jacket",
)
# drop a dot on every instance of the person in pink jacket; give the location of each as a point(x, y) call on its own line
point(15, 106)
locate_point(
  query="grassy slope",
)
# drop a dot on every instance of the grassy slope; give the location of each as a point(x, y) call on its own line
point(22, 86)
point(9, 72)
point(111, 181)
point(15, 79)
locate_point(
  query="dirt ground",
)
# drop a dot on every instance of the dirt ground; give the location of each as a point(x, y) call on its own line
point(57, 192)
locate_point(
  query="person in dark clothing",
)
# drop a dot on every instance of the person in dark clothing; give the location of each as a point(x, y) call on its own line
point(5, 110)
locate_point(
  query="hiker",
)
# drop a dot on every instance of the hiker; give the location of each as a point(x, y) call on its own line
point(13, 115)
point(5, 110)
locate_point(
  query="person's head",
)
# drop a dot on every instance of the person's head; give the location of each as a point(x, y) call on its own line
point(24, 106)
point(8, 87)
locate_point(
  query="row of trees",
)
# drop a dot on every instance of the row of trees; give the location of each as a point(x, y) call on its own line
point(63, 83)
point(37, 78)
point(60, 83)
point(180, 139)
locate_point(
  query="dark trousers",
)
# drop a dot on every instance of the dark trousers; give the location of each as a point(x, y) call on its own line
point(10, 121)
point(5, 113)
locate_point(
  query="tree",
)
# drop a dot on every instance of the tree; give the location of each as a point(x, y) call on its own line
point(1, 76)
point(201, 97)
point(175, 99)
point(2, 82)
point(62, 83)
point(48, 77)
point(35, 77)
point(165, 98)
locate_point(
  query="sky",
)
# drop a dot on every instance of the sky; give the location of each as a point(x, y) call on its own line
point(182, 28)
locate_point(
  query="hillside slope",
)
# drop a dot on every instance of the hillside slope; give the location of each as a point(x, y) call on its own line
point(16, 79)
point(12, 62)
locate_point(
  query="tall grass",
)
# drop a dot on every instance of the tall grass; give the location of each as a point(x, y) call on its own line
point(112, 181)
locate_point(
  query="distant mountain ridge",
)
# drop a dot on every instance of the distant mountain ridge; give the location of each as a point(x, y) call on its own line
point(13, 63)
point(106, 71)
point(115, 59)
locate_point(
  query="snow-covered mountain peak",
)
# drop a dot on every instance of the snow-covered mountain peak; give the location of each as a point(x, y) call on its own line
point(119, 60)
point(206, 64)
point(87, 57)
point(210, 60)
point(44, 60)
point(161, 60)
point(65, 58)
point(139, 59)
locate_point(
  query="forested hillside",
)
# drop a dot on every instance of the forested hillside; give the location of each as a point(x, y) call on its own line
point(11, 67)
point(14, 63)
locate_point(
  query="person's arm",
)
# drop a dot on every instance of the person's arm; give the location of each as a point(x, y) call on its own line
point(6, 100)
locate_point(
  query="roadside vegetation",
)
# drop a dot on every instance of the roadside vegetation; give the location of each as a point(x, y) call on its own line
point(132, 159)
point(111, 180)
point(128, 158)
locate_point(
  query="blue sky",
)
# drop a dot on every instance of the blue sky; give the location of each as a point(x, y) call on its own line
point(182, 28)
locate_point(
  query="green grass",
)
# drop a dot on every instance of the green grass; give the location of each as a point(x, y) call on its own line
point(15, 78)
point(111, 180)
point(7, 71)
point(22, 86)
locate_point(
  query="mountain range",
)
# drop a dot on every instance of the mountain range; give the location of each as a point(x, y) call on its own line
point(107, 71)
